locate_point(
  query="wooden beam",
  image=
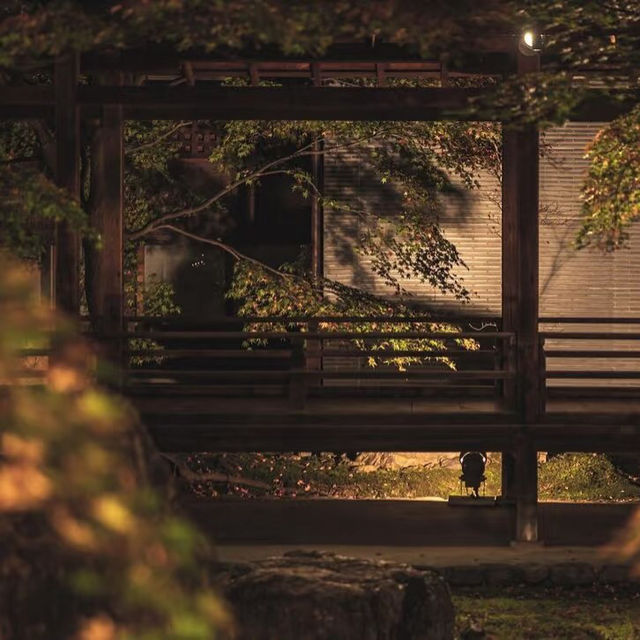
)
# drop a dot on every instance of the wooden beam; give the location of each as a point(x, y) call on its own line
point(164, 60)
point(212, 436)
point(218, 433)
point(67, 130)
point(282, 103)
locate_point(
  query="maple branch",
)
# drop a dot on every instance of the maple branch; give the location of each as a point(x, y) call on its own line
point(155, 224)
point(212, 476)
point(225, 247)
point(152, 143)
point(265, 170)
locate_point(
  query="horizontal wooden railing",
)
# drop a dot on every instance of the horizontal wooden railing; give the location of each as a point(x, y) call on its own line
point(590, 355)
point(302, 357)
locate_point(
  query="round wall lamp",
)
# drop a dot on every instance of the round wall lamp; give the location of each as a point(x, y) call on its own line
point(531, 41)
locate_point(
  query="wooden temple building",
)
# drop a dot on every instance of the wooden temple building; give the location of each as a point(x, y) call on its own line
point(535, 383)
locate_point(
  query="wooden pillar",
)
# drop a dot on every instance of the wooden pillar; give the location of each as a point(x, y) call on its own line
point(314, 346)
point(317, 217)
point(520, 299)
point(106, 217)
point(510, 288)
point(526, 489)
point(66, 252)
point(507, 486)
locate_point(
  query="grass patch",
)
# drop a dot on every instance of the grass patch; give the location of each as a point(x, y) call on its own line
point(584, 476)
point(576, 477)
point(553, 614)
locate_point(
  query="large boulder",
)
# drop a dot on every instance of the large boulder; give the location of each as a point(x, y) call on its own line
point(323, 596)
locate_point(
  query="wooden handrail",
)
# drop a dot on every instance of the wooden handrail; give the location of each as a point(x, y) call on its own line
point(355, 374)
point(590, 335)
point(337, 335)
point(588, 320)
point(434, 319)
point(306, 319)
point(592, 374)
point(212, 353)
point(170, 352)
point(591, 353)
point(295, 366)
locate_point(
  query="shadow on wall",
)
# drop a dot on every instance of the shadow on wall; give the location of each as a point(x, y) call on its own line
point(572, 282)
point(351, 179)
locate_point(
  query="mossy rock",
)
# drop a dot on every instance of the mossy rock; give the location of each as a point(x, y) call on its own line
point(323, 596)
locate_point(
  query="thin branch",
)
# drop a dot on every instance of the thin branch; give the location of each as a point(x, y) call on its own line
point(154, 224)
point(159, 222)
point(262, 171)
point(275, 172)
point(213, 476)
point(152, 143)
point(484, 325)
point(225, 247)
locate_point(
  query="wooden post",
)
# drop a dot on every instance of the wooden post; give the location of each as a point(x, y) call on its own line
point(510, 288)
point(314, 345)
point(507, 486)
point(542, 376)
point(509, 363)
point(520, 176)
point(313, 355)
point(297, 382)
point(526, 487)
point(317, 217)
point(106, 217)
point(510, 249)
point(66, 252)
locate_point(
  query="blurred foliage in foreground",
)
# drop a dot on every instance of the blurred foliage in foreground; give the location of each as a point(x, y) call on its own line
point(90, 550)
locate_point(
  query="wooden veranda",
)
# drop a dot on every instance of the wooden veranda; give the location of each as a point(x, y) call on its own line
point(223, 397)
